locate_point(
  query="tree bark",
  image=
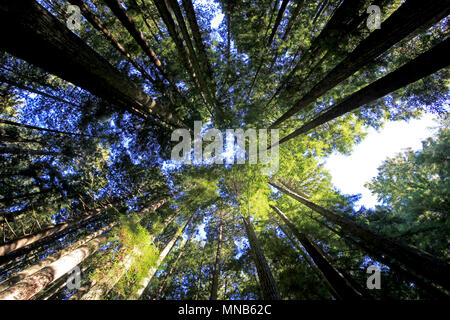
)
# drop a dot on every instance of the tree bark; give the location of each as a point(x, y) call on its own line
point(216, 272)
point(31, 285)
point(54, 257)
point(340, 285)
point(26, 24)
point(408, 18)
point(415, 259)
point(424, 65)
point(268, 286)
point(309, 261)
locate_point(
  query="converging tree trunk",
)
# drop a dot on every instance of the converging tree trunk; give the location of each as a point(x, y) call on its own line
point(412, 15)
point(424, 65)
point(152, 271)
point(60, 52)
point(413, 258)
point(268, 286)
point(31, 285)
point(341, 286)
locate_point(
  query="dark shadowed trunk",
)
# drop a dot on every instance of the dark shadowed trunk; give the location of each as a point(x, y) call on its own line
point(268, 286)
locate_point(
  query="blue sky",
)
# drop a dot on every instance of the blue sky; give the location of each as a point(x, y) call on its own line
point(350, 173)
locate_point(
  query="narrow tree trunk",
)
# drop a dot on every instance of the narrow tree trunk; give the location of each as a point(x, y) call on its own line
point(172, 267)
point(29, 152)
point(133, 30)
point(417, 260)
point(102, 287)
point(33, 90)
point(341, 286)
point(268, 286)
point(216, 271)
point(412, 15)
point(152, 271)
point(12, 123)
point(96, 22)
point(424, 65)
point(184, 56)
point(294, 15)
point(62, 53)
point(310, 262)
point(31, 285)
point(277, 21)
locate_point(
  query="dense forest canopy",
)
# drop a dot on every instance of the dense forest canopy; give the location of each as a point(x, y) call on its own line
point(93, 205)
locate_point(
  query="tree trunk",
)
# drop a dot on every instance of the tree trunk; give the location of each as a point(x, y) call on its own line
point(96, 22)
point(309, 261)
point(293, 18)
point(133, 30)
point(277, 21)
point(340, 285)
point(216, 272)
point(415, 259)
point(424, 65)
point(102, 287)
point(29, 152)
point(172, 267)
point(48, 232)
point(54, 257)
point(184, 56)
point(268, 286)
point(31, 285)
point(33, 90)
point(12, 123)
point(62, 53)
point(152, 271)
point(412, 15)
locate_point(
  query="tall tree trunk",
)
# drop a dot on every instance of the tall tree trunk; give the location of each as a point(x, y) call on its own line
point(48, 232)
point(103, 286)
point(184, 56)
point(29, 152)
point(54, 257)
point(33, 90)
point(133, 30)
point(395, 266)
point(17, 124)
point(268, 286)
point(341, 286)
point(412, 15)
point(96, 22)
point(216, 272)
point(31, 285)
point(62, 53)
point(424, 65)
point(417, 260)
point(173, 266)
point(152, 271)
point(294, 15)
point(280, 14)
point(309, 261)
